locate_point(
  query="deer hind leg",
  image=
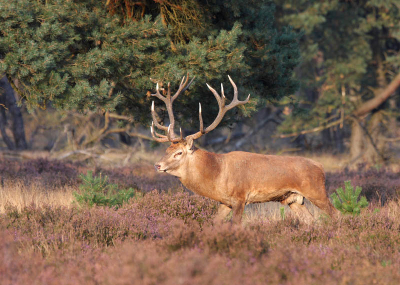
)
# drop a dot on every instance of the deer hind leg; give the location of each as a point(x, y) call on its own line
point(325, 205)
point(318, 196)
point(296, 203)
point(223, 212)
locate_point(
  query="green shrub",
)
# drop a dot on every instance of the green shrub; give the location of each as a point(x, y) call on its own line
point(347, 201)
point(98, 191)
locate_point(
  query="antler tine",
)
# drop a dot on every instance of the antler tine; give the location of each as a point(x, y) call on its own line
point(235, 91)
point(179, 91)
point(183, 86)
point(188, 85)
point(201, 120)
point(171, 139)
point(168, 103)
point(222, 108)
point(223, 95)
point(154, 115)
point(158, 94)
point(183, 79)
point(216, 95)
point(156, 136)
point(169, 132)
point(168, 100)
point(235, 102)
point(169, 91)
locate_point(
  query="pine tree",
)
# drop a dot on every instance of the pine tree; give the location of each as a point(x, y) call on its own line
point(100, 55)
point(347, 201)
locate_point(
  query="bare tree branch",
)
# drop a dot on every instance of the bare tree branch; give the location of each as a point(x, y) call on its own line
point(101, 132)
point(120, 117)
point(131, 134)
point(316, 129)
point(391, 139)
point(379, 99)
point(255, 130)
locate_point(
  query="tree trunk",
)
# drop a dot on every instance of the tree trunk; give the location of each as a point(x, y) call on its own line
point(373, 143)
point(392, 120)
point(338, 134)
point(3, 125)
point(356, 142)
point(17, 126)
point(327, 139)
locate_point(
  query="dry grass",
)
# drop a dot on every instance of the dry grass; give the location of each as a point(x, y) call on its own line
point(270, 211)
point(20, 195)
point(331, 163)
point(338, 162)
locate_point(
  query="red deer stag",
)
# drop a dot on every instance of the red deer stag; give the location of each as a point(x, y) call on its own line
point(237, 178)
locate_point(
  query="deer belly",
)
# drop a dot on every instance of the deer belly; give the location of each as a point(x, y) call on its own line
point(268, 196)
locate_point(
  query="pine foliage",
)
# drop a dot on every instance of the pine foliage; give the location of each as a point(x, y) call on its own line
point(347, 201)
point(94, 55)
point(98, 191)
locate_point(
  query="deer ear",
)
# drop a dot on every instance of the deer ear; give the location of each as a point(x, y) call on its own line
point(189, 144)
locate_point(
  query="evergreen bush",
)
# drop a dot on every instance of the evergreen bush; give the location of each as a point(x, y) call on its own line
point(96, 190)
point(347, 201)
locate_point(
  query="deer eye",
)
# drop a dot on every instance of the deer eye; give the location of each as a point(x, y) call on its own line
point(178, 153)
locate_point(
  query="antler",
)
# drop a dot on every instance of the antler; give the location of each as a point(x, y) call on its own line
point(168, 100)
point(222, 108)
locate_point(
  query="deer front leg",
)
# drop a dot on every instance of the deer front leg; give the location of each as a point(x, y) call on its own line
point(238, 209)
point(223, 211)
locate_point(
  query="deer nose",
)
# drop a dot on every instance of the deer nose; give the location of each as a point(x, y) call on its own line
point(157, 166)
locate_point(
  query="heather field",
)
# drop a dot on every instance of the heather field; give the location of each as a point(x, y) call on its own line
point(166, 236)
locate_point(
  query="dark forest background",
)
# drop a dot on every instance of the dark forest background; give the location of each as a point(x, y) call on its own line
point(323, 75)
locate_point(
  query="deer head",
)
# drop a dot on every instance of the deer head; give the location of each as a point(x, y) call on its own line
point(180, 150)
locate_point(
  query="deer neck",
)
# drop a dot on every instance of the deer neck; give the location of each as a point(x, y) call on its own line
point(201, 171)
